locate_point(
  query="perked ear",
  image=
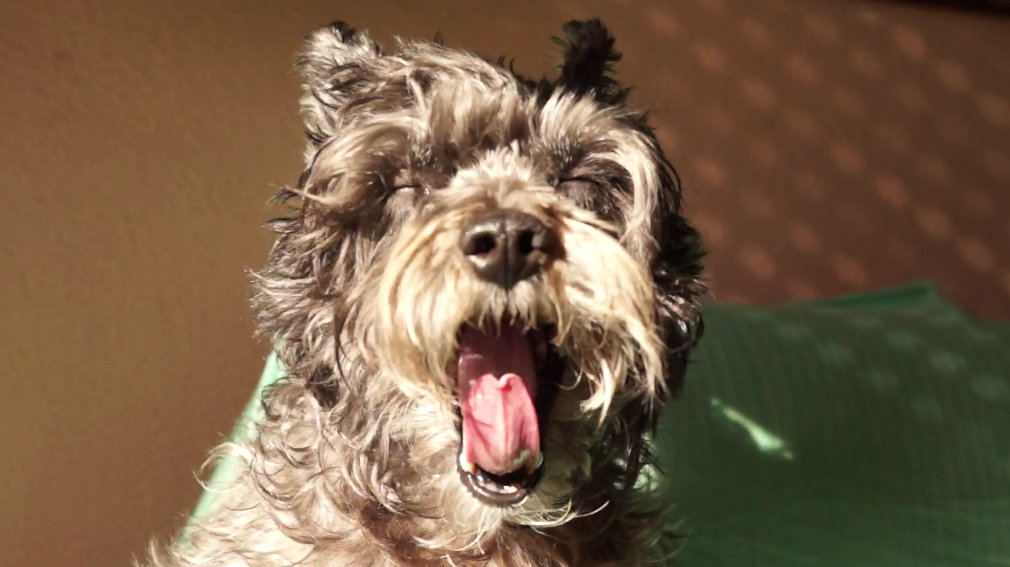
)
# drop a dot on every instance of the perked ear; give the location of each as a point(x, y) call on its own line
point(588, 53)
point(333, 62)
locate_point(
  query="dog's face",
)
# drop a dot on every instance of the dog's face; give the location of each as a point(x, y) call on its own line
point(485, 277)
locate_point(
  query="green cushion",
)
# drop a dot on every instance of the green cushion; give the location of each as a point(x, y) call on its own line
point(871, 430)
point(863, 431)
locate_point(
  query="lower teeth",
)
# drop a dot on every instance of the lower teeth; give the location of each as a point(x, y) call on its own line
point(467, 465)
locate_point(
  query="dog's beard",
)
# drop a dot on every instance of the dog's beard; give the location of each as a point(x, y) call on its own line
point(524, 378)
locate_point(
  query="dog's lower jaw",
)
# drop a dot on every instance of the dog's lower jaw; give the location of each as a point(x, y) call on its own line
point(278, 513)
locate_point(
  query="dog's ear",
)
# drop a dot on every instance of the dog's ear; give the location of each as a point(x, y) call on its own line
point(676, 272)
point(334, 66)
point(588, 54)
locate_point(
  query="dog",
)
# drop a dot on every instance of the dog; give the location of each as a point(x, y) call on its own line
point(483, 293)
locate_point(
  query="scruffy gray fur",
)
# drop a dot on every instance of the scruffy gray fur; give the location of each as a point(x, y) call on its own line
point(368, 287)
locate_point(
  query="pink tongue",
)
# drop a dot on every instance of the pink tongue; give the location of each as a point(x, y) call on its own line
point(497, 386)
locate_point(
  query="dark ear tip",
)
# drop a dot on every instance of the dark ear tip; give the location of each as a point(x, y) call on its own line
point(337, 29)
point(574, 26)
point(333, 45)
point(588, 51)
point(342, 27)
point(590, 29)
point(590, 35)
point(340, 33)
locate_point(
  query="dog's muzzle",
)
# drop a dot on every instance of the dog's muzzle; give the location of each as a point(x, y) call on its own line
point(506, 375)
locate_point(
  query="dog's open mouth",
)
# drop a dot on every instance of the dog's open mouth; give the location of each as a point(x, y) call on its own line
point(506, 384)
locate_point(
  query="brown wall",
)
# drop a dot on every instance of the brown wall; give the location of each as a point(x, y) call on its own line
point(826, 147)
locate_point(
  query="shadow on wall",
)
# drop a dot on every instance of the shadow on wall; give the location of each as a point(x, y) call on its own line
point(992, 7)
point(838, 147)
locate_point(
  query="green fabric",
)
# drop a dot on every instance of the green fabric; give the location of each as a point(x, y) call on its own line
point(225, 470)
point(871, 430)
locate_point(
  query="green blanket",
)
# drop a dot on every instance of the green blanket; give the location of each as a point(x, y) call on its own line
point(871, 430)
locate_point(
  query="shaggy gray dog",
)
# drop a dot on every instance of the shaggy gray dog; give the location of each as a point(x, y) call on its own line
point(483, 295)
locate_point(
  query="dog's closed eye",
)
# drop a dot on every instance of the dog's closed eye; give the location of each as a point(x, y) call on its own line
point(588, 193)
point(579, 188)
point(403, 192)
point(405, 182)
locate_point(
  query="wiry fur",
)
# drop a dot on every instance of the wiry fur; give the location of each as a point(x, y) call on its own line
point(365, 290)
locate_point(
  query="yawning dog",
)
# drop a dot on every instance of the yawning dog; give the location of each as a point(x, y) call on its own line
point(483, 294)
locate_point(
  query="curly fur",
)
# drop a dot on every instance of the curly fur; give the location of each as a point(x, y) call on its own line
point(354, 463)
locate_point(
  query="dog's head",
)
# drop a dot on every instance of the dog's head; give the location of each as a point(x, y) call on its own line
point(484, 276)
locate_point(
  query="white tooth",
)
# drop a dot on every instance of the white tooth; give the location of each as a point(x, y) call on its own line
point(467, 465)
point(518, 461)
point(540, 461)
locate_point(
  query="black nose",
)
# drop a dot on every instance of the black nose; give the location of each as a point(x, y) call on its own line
point(506, 247)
